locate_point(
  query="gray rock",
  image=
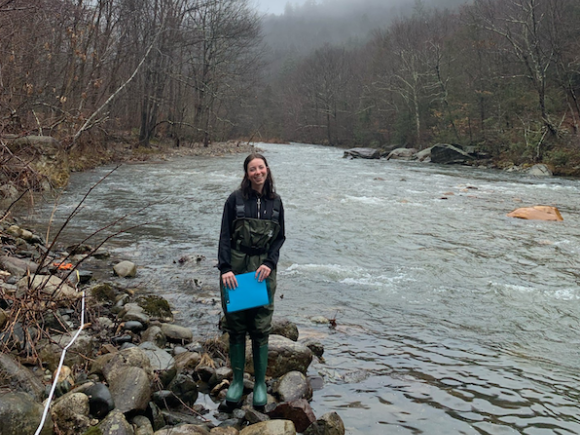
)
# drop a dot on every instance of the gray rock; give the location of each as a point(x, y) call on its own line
point(362, 153)
point(285, 328)
point(224, 431)
point(71, 413)
point(130, 388)
point(133, 357)
point(284, 356)
point(299, 412)
point(81, 349)
point(424, 155)
point(174, 418)
point(315, 346)
point(253, 416)
point(142, 425)
point(125, 269)
point(450, 154)
point(133, 312)
point(49, 285)
point(402, 153)
point(187, 361)
point(20, 414)
point(272, 427)
point(20, 377)
point(177, 334)
point(328, 424)
point(293, 386)
point(540, 170)
point(133, 326)
point(156, 416)
point(100, 400)
point(154, 335)
point(185, 429)
point(17, 266)
point(116, 424)
point(162, 362)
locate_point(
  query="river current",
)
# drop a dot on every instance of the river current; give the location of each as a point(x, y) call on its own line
point(451, 318)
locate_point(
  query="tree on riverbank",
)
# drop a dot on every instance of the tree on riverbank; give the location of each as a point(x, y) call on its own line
point(61, 60)
point(501, 75)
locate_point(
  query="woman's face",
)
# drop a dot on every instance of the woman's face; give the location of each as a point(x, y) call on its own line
point(257, 174)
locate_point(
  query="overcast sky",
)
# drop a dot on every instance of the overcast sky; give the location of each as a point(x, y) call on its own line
point(274, 6)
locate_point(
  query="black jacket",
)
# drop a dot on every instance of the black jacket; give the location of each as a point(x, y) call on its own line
point(250, 211)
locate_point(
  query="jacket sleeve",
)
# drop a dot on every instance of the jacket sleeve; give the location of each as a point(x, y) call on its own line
point(224, 247)
point(274, 252)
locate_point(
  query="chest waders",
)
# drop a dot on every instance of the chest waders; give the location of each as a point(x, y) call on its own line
point(250, 243)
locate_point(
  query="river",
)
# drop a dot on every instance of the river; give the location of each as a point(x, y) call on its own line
point(451, 317)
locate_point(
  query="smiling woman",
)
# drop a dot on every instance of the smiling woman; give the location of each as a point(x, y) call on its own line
point(251, 236)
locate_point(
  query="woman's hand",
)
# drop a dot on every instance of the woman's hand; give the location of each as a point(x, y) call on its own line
point(229, 280)
point(263, 272)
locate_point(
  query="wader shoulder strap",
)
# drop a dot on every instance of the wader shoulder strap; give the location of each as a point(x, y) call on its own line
point(240, 212)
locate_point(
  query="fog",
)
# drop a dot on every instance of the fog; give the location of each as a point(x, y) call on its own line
point(343, 7)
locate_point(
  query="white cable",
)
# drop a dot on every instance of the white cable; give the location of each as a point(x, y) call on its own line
point(46, 408)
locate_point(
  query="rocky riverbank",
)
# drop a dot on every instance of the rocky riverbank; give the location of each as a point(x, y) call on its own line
point(41, 163)
point(108, 360)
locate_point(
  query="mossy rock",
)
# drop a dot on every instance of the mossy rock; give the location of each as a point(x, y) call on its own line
point(104, 292)
point(156, 306)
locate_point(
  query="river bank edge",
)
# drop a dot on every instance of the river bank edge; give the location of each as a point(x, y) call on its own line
point(33, 283)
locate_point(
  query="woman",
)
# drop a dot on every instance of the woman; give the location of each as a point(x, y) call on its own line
point(252, 233)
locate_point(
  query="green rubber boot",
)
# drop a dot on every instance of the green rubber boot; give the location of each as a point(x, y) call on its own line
point(238, 362)
point(260, 354)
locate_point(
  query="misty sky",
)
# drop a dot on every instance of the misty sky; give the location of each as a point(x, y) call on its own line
point(274, 6)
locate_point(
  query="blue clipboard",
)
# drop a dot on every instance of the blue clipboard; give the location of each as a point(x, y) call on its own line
point(248, 294)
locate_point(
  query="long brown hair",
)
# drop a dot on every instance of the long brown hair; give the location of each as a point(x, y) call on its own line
point(246, 186)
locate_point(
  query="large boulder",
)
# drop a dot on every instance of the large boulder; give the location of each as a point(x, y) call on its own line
point(450, 154)
point(46, 155)
point(538, 212)
point(402, 153)
point(284, 356)
point(540, 170)
point(20, 377)
point(130, 388)
point(362, 153)
point(20, 414)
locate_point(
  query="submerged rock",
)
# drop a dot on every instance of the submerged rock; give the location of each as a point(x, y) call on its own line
point(538, 212)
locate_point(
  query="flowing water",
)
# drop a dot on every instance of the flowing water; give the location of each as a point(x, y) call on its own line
point(451, 318)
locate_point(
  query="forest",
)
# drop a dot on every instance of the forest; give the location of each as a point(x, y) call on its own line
point(500, 75)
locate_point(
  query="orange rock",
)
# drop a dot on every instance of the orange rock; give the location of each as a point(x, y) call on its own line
point(538, 212)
